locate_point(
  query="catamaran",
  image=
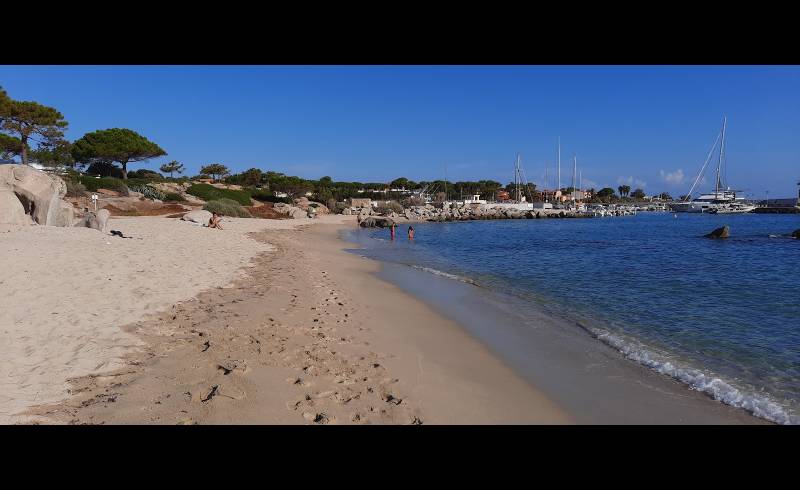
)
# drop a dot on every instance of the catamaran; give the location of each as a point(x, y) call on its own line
point(723, 200)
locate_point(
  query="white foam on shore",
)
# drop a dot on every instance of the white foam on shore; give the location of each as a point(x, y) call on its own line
point(437, 272)
point(759, 405)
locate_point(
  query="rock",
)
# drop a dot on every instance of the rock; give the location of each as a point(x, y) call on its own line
point(376, 222)
point(320, 208)
point(64, 214)
point(723, 232)
point(39, 193)
point(102, 218)
point(198, 216)
point(796, 234)
point(347, 211)
point(11, 210)
point(297, 213)
point(90, 220)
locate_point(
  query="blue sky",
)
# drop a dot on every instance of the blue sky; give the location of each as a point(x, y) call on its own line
point(650, 127)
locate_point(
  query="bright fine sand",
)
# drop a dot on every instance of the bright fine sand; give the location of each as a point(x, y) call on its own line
point(197, 326)
point(65, 293)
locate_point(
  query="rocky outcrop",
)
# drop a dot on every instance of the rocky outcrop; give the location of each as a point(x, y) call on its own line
point(376, 222)
point(311, 207)
point(291, 211)
point(796, 234)
point(11, 210)
point(724, 232)
point(39, 194)
point(198, 216)
point(90, 220)
point(483, 212)
point(102, 218)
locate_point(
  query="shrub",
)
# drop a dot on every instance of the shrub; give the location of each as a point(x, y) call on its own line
point(208, 192)
point(104, 169)
point(389, 207)
point(74, 188)
point(266, 196)
point(145, 174)
point(147, 191)
point(110, 183)
point(227, 207)
point(173, 197)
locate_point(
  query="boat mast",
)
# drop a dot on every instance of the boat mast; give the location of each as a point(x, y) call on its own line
point(559, 163)
point(721, 153)
point(517, 178)
point(445, 182)
point(546, 182)
point(574, 174)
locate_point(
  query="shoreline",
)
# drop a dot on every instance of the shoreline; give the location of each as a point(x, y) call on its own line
point(562, 358)
point(309, 335)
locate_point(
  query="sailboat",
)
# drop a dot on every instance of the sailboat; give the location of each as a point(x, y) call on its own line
point(723, 200)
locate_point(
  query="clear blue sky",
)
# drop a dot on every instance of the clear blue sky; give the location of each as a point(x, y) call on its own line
point(640, 125)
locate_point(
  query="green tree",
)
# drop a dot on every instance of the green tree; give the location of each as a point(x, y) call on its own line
point(9, 146)
point(4, 101)
point(173, 166)
point(605, 192)
point(215, 169)
point(665, 196)
point(252, 177)
point(54, 154)
point(24, 119)
point(638, 194)
point(401, 183)
point(624, 190)
point(118, 145)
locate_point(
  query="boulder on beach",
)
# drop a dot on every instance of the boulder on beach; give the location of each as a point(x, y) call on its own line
point(11, 210)
point(102, 218)
point(724, 232)
point(39, 194)
point(376, 222)
point(90, 220)
point(198, 216)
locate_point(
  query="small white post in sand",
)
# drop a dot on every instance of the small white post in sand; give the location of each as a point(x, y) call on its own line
point(94, 200)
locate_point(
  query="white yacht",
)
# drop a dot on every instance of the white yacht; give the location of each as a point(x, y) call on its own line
point(723, 199)
point(733, 208)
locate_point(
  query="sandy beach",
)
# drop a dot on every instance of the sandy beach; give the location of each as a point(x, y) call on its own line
point(267, 321)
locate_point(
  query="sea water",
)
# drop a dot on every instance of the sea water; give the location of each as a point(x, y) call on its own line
point(721, 316)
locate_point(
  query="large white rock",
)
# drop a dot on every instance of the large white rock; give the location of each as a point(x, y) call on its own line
point(102, 218)
point(297, 213)
point(11, 210)
point(198, 216)
point(39, 193)
point(89, 220)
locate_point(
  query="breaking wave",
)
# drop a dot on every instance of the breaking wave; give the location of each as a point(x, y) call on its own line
point(720, 390)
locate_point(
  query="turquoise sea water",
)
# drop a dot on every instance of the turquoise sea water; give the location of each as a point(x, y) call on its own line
point(722, 316)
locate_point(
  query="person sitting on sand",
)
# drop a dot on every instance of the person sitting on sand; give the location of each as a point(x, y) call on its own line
point(410, 232)
point(214, 222)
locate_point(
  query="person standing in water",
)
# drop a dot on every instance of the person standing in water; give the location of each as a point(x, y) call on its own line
point(410, 232)
point(392, 229)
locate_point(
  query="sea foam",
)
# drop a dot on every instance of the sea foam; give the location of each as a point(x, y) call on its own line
point(759, 405)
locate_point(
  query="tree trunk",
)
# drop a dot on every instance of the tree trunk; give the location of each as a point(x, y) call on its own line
point(24, 154)
point(124, 170)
